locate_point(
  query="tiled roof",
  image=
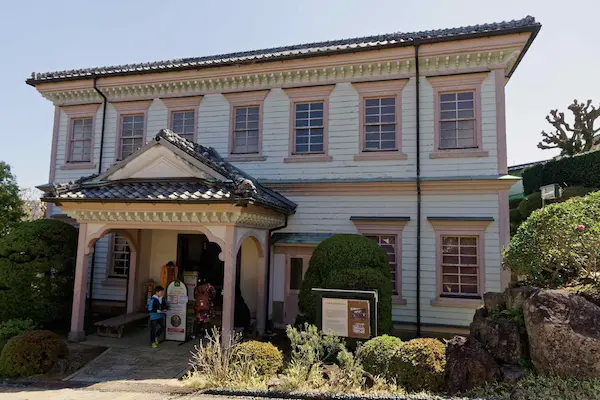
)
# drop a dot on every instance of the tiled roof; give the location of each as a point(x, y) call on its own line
point(396, 39)
point(238, 186)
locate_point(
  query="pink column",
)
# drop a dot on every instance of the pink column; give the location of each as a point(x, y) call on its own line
point(229, 258)
point(77, 333)
point(261, 306)
point(133, 271)
point(504, 222)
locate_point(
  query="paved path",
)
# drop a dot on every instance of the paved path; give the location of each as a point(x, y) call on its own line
point(88, 394)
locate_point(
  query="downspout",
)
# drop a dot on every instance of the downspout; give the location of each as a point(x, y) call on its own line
point(269, 245)
point(418, 112)
point(93, 261)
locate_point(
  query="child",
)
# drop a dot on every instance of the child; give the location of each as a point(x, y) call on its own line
point(157, 306)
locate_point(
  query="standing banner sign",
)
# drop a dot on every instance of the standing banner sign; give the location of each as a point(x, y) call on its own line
point(190, 279)
point(347, 313)
point(176, 316)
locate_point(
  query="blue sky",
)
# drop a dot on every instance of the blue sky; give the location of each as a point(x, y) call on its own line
point(42, 36)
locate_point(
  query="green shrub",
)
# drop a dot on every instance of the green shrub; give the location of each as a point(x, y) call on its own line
point(266, 358)
point(557, 245)
point(12, 328)
point(310, 346)
point(513, 203)
point(31, 353)
point(419, 364)
point(377, 353)
point(529, 204)
point(349, 262)
point(37, 262)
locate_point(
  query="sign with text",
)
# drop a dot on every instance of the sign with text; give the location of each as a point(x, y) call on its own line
point(550, 192)
point(176, 316)
point(347, 313)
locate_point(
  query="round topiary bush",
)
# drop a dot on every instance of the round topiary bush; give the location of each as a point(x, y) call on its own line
point(557, 245)
point(12, 328)
point(349, 262)
point(37, 261)
point(419, 364)
point(529, 204)
point(31, 353)
point(377, 353)
point(265, 357)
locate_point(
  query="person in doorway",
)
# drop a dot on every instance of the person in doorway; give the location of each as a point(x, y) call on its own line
point(158, 307)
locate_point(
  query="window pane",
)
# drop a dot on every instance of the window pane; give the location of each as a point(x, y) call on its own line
point(296, 272)
point(460, 272)
point(465, 96)
point(465, 114)
point(372, 102)
point(301, 107)
point(388, 101)
point(448, 97)
point(448, 115)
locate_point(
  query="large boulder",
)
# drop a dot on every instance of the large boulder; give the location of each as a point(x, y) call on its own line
point(469, 365)
point(494, 301)
point(504, 340)
point(515, 297)
point(564, 334)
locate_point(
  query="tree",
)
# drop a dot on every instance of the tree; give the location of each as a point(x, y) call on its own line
point(34, 208)
point(576, 139)
point(11, 205)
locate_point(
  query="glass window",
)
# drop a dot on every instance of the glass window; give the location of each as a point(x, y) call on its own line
point(296, 273)
point(309, 128)
point(132, 134)
point(183, 124)
point(245, 130)
point(460, 266)
point(388, 243)
point(380, 124)
point(121, 257)
point(81, 140)
point(457, 120)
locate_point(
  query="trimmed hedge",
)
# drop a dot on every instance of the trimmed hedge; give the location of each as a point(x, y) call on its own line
point(265, 357)
point(580, 170)
point(349, 262)
point(376, 354)
point(12, 328)
point(31, 353)
point(419, 364)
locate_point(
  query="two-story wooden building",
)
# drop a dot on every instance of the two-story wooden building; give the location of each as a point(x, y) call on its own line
point(399, 137)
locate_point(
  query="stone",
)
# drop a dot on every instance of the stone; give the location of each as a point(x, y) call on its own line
point(519, 394)
point(494, 301)
point(504, 340)
point(564, 334)
point(515, 297)
point(469, 365)
point(273, 382)
point(512, 373)
point(330, 371)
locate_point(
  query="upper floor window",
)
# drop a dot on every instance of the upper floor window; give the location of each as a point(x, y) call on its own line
point(245, 130)
point(460, 266)
point(457, 120)
point(380, 120)
point(80, 146)
point(309, 129)
point(132, 134)
point(121, 257)
point(183, 123)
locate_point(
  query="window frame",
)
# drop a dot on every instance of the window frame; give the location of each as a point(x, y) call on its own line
point(459, 226)
point(126, 109)
point(386, 226)
point(457, 84)
point(110, 272)
point(79, 112)
point(246, 100)
point(378, 90)
point(183, 104)
point(313, 94)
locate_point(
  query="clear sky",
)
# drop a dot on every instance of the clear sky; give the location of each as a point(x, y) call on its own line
point(41, 35)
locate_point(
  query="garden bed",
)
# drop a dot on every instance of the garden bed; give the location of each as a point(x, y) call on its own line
point(79, 356)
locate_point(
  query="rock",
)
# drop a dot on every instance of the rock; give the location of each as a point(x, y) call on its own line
point(330, 371)
point(469, 365)
point(368, 380)
point(512, 373)
point(519, 394)
point(273, 382)
point(494, 301)
point(514, 297)
point(502, 339)
point(564, 334)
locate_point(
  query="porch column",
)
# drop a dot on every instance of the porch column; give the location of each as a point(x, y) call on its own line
point(261, 305)
point(229, 259)
point(77, 333)
point(133, 271)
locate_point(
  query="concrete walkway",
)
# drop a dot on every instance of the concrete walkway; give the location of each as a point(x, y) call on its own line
point(87, 394)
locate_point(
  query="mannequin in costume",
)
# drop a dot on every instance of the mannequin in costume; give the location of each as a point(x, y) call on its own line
point(168, 274)
point(204, 293)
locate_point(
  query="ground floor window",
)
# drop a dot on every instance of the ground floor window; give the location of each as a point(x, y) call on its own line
point(121, 257)
point(388, 243)
point(460, 266)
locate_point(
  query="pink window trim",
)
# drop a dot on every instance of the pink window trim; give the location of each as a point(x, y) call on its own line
point(501, 121)
point(183, 104)
point(451, 84)
point(459, 228)
point(78, 112)
point(370, 90)
point(303, 95)
point(246, 99)
point(130, 108)
point(387, 228)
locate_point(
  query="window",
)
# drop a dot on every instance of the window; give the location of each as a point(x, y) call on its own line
point(296, 272)
point(132, 134)
point(309, 128)
point(245, 130)
point(388, 243)
point(121, 257)
point(457, 120)
point(81, 140)
point(380, 124)
point(460, 266)
point(183, 123)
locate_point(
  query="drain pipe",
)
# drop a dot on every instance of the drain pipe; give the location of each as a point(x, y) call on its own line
point(418, 111)
point(268, 255)
point(93, 260)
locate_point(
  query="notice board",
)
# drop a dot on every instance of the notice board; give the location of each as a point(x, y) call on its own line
point(347, 313)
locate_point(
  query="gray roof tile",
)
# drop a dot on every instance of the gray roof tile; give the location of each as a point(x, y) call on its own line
point(297, 51)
